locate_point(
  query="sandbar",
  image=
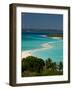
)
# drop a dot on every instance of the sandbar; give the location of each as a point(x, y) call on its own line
point(29, 52)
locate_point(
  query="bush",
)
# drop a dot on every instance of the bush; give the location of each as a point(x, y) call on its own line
point(32, 64)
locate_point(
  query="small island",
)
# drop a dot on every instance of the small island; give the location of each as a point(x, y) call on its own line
point(56, 35)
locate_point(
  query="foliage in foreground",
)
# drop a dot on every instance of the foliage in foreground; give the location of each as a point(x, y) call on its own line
point(33, 66)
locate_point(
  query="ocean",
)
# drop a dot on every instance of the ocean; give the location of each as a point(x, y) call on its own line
point(34, 42)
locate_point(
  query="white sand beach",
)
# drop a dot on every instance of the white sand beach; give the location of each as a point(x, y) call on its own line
point(44, 35)
point(26, 54)
point(46, 45)
point(29, 52)
point(56, 37)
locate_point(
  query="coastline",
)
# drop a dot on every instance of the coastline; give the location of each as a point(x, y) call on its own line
point(29, 52)
point(56, 37)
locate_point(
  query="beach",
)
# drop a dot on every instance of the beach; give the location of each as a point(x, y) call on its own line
point(29, 52)
point(26, 54)
point(42, 46)
point(56, 37)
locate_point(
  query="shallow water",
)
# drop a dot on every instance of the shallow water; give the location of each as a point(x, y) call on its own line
point(34, 41)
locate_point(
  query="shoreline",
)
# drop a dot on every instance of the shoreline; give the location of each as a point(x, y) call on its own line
point(56, 37)
point(29, 52)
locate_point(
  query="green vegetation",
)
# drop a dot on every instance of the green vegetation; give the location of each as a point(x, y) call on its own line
point(55, 35)
point(33, 66)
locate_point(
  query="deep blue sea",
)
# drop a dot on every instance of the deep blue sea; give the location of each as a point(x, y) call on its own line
point(31, 42)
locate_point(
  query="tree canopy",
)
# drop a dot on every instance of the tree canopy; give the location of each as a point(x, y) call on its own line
point(32, 64)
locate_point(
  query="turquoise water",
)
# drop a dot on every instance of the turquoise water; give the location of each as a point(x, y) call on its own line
point(32, 42)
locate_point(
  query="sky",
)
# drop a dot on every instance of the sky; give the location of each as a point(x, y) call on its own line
point(42, 21)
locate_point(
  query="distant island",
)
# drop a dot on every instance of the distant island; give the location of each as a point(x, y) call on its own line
point(48, 32)
point(56, 35)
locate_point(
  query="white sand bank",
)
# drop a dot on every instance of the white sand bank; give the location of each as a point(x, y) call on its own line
point(29, 52)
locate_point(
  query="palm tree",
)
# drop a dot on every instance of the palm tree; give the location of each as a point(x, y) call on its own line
point(48, 63)
point(60, 66)
point(54, 66)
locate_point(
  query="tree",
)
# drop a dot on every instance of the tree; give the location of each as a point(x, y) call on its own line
point(40, 65)
point(60, 66)
point(24, 66)
point(49, 63)
point(54, 66)
point(32, 64)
